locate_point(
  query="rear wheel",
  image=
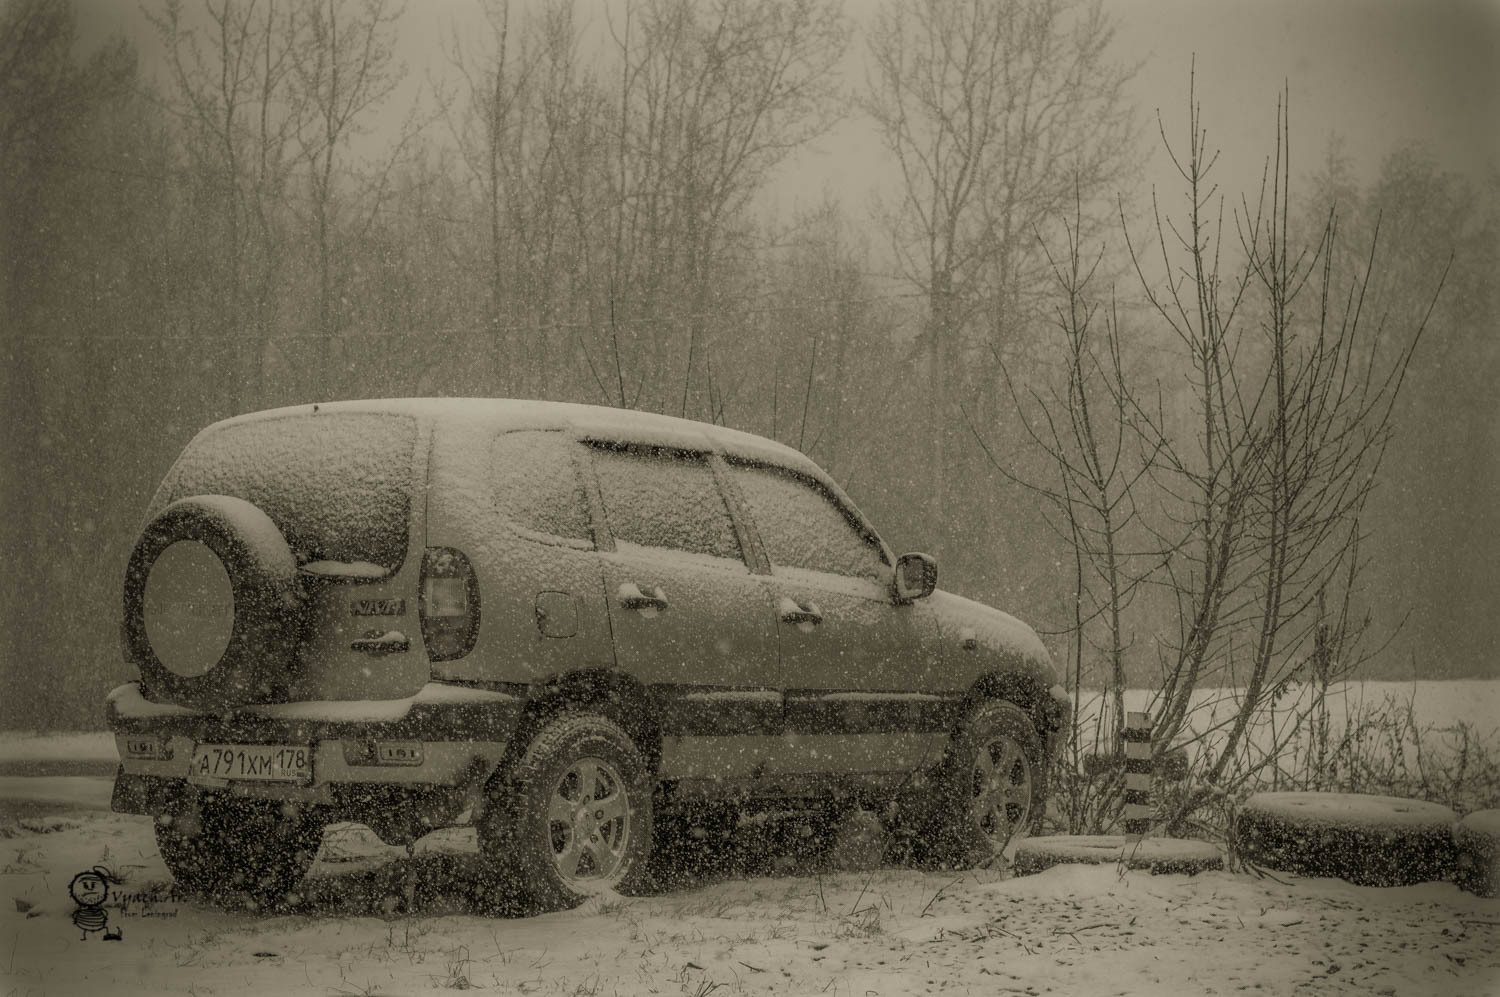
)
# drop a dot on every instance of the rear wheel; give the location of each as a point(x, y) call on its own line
point(224, 847)
point(991, 790)
point(573, 819)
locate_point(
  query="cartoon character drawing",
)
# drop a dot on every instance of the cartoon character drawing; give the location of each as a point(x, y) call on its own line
point(89, 890)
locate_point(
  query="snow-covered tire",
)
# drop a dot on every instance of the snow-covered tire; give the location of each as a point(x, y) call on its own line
point(991, 789)
point(533, 828)
point(1476, 840)
point(1367, 840)
point(213, 604)
point(1177, 856)
point(223, 848)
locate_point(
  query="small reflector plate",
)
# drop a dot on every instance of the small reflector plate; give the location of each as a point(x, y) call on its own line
point(144, 747)
point(398, 752)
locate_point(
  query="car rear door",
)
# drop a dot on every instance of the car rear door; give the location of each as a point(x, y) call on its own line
point(856, 662)
point(689, 619)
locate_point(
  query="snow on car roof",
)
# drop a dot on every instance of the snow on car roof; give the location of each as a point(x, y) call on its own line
point(596, 422)
point(613, 425)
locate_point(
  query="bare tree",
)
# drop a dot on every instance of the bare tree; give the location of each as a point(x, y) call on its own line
point(997, 115)
point(71, 234)
point(525, 97)
point(817, 352)
point(481, 127)
point(712, 99)
point(1295, 400)
point(1241, 497)
point(43, 94)
point(229, 66)
point(1445, 455)
point(1089, 433)
point(343, 67)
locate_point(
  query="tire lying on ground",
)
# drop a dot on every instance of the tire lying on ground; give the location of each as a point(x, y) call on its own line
point(1178, 856)
point(1476, 840)
point(1367, 840)
point(213, 604)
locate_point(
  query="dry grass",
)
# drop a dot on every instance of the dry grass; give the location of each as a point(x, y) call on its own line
point(1379, 747)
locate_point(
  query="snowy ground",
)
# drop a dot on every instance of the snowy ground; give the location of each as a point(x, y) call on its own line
point(760, 923)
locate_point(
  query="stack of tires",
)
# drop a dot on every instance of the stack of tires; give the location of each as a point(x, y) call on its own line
point(1476, 840)
point(1369, 840)
point(1162, 856)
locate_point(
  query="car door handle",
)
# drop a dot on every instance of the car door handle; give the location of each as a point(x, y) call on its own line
point(792, 612)
point(631, 597)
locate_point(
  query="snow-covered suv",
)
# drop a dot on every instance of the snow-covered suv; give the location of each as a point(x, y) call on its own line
point(556, 621)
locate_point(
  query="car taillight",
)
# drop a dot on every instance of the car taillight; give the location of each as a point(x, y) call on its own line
point(449, 604)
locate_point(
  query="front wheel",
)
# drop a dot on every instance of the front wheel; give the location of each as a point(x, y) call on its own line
point(574, 817)
point(992, 788)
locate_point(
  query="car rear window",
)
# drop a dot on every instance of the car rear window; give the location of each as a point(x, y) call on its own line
point(538, 489)
point(337, 484)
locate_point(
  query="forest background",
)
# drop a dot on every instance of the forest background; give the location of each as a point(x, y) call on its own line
point(211, 208)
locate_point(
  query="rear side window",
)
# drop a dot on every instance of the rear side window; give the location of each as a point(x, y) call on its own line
point(538, 489)
point(656, 497)
point(803, 527)
point(338, 484)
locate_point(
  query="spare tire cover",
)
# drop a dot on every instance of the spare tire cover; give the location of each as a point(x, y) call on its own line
point(213, 605)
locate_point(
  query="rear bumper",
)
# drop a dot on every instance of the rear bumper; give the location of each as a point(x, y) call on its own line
point(463, 732)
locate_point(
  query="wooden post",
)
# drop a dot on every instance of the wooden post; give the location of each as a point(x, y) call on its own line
point(1137, 737)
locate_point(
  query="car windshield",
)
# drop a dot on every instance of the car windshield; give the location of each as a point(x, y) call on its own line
point(337, 485)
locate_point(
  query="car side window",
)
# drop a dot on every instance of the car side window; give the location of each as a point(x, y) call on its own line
point(802, 526)
point(538, 489)
point(656, 497)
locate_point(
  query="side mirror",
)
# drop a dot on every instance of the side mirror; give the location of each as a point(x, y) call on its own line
point(916, 577)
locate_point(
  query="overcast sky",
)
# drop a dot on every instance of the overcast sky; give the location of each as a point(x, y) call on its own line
point(1376, 72)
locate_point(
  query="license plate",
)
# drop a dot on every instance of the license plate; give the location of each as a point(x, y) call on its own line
point(253, 762)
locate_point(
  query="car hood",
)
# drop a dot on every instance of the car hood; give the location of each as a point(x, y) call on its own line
point(961, 619)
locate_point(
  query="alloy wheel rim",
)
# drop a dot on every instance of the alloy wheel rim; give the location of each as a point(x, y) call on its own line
point(1001, 791)
point(588, 821)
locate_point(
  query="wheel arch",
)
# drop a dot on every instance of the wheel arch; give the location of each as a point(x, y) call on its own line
point(1028, 687)
point(613, 695)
